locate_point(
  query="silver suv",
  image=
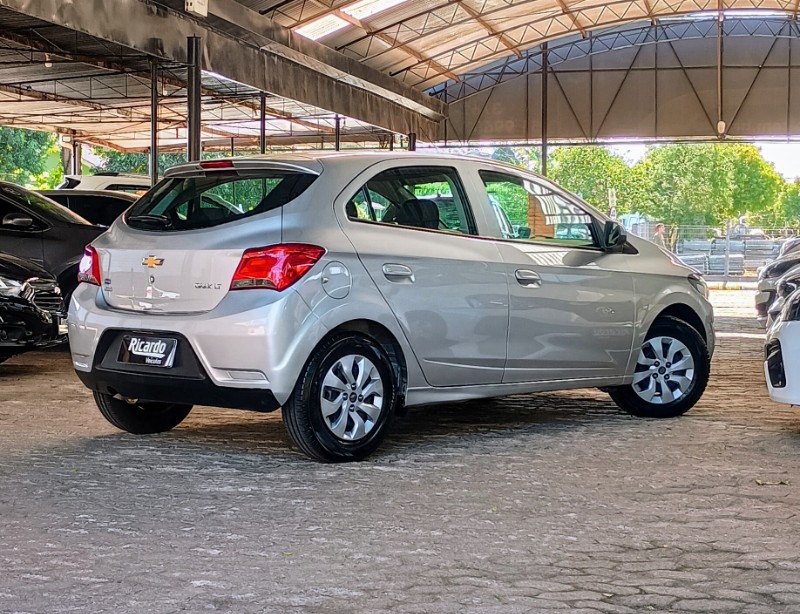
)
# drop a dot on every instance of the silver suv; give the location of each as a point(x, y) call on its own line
point(346, 287)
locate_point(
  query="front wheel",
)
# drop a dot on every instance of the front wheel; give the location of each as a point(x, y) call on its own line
point(344, 400)
point(140, 417)
point(671, 372)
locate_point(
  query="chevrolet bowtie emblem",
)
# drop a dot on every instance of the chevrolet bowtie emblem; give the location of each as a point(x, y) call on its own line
point(152, 262)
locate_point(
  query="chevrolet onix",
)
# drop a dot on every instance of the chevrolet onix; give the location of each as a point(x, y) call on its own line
point(344, 288)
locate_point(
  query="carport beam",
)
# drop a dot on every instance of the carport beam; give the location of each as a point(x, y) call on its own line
point(194, 97)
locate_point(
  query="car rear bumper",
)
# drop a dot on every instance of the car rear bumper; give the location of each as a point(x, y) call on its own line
point(187, 382)
point(245, 347)
point(782, 363)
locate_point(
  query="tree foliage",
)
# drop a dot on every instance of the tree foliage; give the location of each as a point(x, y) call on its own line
point(591, 172)
point(136, 163)
point(23, 155)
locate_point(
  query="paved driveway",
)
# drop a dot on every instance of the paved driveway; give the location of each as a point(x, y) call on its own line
point(536, 503)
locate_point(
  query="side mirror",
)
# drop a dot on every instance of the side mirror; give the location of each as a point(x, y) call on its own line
point(785, 288)
point(614, 237)
point(19, 220)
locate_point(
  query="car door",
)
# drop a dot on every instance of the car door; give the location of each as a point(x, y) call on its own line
point(18, 240)
point(415, 233)
point(571, 304)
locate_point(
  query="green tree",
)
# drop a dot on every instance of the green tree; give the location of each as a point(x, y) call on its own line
point(591, 171)
point(688, 184)
point(788, 209)
point(137, 163)
point(757, 187)
point(23, 154)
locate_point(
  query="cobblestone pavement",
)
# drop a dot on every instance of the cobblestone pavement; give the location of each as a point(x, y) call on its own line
point(537, 503)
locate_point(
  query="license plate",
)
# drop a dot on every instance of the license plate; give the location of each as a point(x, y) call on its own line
point(150, 351)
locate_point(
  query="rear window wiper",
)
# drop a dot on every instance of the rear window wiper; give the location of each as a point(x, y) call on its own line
point(147, 219)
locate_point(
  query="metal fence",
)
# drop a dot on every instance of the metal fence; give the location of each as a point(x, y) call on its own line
point(733, 252)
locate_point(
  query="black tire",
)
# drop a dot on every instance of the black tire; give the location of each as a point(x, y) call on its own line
point(303, 414)
point(141, 418)
point(668, 326)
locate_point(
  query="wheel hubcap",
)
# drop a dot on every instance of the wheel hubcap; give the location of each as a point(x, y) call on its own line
point(664, 370)
point(351, 397)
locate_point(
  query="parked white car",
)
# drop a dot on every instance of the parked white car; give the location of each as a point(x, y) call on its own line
point(782, 355)
point(118, 182)
point(343, 287)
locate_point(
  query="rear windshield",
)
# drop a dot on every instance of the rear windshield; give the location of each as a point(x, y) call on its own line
point(219, 197)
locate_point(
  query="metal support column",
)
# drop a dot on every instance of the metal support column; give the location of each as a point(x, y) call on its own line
point(193, 91)
point(721, 127)
point(262, 124)
point(391, 142)
point(153, 122)
point(338, 134)
point(412, 141)
point(77, 158)
point(544, 109)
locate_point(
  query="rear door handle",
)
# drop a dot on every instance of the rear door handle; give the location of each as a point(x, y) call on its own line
point(398, 272)
point(528, 278)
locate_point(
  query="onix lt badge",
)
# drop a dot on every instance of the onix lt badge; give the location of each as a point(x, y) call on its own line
point(152, 262)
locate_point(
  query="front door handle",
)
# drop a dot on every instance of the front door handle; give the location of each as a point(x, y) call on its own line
point(398, 273)
point(528, 278)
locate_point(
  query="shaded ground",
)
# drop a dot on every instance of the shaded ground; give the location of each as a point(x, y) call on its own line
point(534, 503)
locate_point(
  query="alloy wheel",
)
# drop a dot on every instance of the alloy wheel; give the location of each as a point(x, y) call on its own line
point(664, 370)
point(351, 397)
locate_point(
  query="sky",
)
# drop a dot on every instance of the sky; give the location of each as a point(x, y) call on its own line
point(785, 157)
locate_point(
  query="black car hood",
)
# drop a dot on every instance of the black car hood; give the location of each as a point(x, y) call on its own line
point(20, 269)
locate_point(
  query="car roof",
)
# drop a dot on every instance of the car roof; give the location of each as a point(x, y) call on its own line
point(315, 160)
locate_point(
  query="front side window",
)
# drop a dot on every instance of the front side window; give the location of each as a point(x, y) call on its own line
point(532, 211)
point(202, 201)
point(430, 198)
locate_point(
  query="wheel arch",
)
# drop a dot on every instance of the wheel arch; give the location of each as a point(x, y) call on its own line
point(684, 312)
point(383, 337)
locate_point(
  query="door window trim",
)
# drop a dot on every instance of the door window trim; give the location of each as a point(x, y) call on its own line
point(473, 233)
point(595, 224)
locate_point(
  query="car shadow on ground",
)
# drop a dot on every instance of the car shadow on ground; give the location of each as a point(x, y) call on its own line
point(231, 432)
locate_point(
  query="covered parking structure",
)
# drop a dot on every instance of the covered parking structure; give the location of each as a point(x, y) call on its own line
point(450, 71)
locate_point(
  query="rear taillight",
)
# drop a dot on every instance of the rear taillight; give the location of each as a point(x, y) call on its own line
point(89, 267)
point(276, 267)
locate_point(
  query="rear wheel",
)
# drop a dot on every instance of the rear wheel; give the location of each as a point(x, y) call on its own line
point(671, 372)
point(140, 417)
point(344, 400)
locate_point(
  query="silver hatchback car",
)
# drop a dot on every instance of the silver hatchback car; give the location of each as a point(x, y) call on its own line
point(345, 287)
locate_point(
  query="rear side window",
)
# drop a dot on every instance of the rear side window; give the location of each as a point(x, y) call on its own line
point(216, 198)
point(425, 197)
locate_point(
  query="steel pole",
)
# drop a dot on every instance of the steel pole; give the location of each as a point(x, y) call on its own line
point(193, 92)
point(262, 125)
point(544, 109)
point(412, 141)
point(338, 134)
point(153, 122)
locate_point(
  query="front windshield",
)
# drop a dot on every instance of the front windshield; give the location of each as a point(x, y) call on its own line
point(46, 208)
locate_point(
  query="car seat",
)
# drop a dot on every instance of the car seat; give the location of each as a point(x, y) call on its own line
point(420, 213)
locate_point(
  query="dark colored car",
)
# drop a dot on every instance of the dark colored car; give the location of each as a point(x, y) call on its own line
point(30, 308)
point(38, 229)
point(100, 207)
